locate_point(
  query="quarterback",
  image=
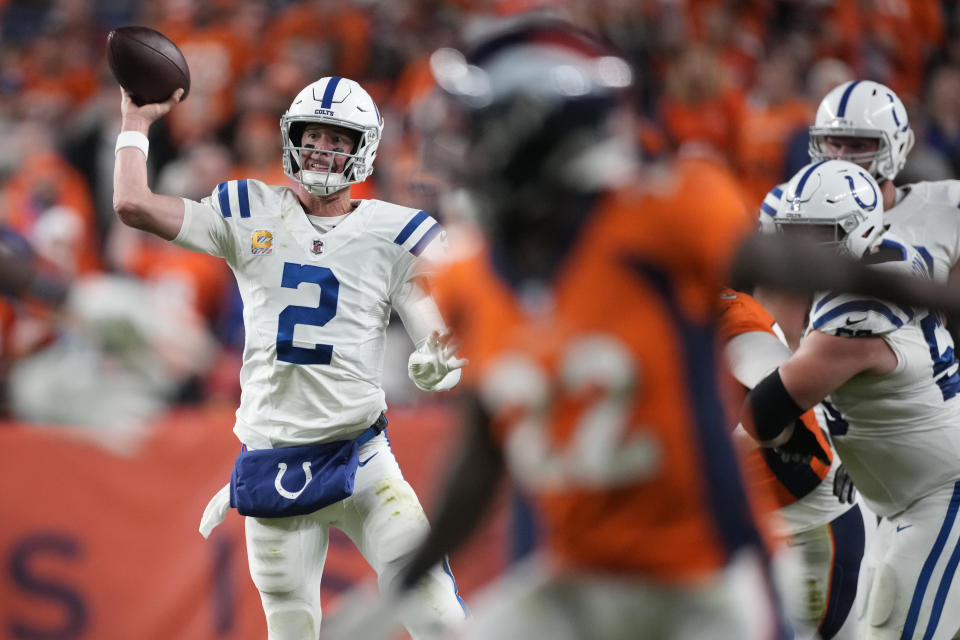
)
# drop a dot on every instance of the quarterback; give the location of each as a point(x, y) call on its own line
point(319, 275)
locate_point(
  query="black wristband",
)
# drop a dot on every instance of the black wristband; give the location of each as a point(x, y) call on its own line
point(769, 409)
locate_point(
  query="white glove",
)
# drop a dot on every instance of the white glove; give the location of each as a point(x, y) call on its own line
point(433, 366)
point(216, 511)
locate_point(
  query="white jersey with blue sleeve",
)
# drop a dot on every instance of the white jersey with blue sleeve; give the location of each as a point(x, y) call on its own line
point(925, 215)
point(898, 434)
point(315, 305)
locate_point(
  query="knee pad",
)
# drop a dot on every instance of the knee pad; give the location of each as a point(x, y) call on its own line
point(291, 624)
point(882, 596)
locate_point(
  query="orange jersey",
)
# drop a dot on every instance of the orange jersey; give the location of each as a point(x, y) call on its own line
point(786, 481)
point(604, 390)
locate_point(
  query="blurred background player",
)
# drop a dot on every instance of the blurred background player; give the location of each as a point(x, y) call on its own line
point(587, 312)
point(817, 518)
point(319, 274)
point(891, 375)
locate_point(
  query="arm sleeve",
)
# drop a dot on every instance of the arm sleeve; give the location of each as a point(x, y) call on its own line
point(753, 356)
point(769, 410)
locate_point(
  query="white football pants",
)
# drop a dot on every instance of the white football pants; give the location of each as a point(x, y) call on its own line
point(384, 520)
point(909, 576)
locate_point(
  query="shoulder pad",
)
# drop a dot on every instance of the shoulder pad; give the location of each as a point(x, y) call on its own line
point(411, 229)
point(244, 198)
point(851, 315)
point(740, 313)
point(946, 192)
point(894, 255)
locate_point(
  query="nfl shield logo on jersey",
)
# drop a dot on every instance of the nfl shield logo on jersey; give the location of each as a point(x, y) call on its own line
point(317, 247)
point(261, 244)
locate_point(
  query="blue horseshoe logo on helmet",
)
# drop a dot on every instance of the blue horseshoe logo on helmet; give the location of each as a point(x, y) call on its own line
point(853, 192)
point(893, 112)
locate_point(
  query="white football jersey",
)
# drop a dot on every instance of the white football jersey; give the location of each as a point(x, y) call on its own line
point(898, 435)
point(925, 214)
point(315, 305)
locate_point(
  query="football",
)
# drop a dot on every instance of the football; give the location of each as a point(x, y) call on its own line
point(147, 64)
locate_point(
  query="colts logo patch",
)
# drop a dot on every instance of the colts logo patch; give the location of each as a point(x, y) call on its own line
point(261, 244)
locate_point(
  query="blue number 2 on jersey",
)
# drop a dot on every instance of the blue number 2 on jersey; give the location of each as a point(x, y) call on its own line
point(293, 276)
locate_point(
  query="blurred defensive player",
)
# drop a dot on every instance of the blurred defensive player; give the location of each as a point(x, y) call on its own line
point(824, 529)
point(587, 312)
point(319, 274)
point(892, 377)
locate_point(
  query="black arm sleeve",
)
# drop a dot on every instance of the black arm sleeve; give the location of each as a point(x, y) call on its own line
point(769, 409)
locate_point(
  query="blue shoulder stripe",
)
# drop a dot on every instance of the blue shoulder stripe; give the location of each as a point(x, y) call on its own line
point(824, 300)
point(244, 198)
point(859, 306)
point(767, 209)
point(412, 226)
point(422, 243)
point(776, 192)
point(224, 196)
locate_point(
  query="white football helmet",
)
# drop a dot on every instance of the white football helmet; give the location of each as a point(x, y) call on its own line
point(343, 103)
point(837, 202)
point(865, 109)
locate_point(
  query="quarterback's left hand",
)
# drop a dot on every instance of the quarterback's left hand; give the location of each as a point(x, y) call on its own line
point(434, 365)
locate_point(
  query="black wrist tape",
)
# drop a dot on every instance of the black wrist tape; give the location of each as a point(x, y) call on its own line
point(769, 409)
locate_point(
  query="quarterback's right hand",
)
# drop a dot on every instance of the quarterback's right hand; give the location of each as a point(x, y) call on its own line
point(434, 365)
point(135, 117)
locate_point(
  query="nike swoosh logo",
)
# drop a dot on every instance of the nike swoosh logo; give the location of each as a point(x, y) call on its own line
point(364, 462)
point(852, 321)
point(899, 527)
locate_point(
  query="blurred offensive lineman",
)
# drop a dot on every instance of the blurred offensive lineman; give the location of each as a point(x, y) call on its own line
point(890, 373)
point(319, 274)
point(586, 308)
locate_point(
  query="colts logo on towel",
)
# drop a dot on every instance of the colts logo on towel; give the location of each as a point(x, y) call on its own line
point(262, 243)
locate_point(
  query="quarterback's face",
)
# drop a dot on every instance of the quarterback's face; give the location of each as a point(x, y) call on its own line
point(321, 140)
point(849, 146)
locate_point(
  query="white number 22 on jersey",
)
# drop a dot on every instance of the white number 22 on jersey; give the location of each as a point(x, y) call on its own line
point(602, 450)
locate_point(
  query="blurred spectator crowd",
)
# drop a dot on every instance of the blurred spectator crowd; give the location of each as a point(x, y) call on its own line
point(147, 324)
